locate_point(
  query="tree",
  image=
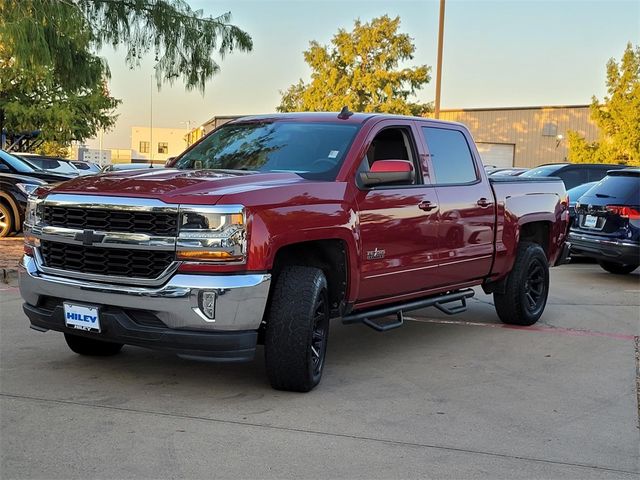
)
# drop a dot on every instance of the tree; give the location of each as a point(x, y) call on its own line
point(618, 116)
point(360, 70)
point(51, 78)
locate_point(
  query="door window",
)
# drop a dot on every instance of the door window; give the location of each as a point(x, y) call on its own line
point(391, 144)
point(572, 177)
point(450, 156)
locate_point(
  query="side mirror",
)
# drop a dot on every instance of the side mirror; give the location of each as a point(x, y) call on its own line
point(4, 168)
point(388, 172)
point(170, 161)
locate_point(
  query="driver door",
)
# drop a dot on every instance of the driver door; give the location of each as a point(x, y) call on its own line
point(398, 223)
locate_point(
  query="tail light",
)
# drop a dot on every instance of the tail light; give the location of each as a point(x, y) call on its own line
point(624, 211)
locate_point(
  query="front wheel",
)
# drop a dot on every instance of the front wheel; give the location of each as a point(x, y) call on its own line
point(618, 268)
point(6, 220)
point(297, 329)
point(91, 347)
point(527, 287)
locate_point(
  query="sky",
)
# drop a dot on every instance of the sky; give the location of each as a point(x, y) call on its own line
point(496, 54)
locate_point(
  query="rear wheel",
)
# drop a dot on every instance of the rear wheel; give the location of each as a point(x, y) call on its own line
point(91, 347)
point(618, 268)
point(297, 329)
point(6, 220)
point(527, 287)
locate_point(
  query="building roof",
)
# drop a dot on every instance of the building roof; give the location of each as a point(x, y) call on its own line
point(494, 109)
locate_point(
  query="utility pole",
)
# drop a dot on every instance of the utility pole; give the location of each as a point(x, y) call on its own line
point(439, 67)
point(151, 124)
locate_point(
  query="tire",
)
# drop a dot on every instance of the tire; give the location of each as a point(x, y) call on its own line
point(617, 268)
point(297, 329)
point(527, 287)
point(91, 347)
point(6, 220)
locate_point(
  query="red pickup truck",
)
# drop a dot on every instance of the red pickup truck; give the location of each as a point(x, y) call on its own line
point(270, 226)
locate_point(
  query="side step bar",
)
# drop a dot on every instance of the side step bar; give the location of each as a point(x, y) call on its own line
point(438, 301)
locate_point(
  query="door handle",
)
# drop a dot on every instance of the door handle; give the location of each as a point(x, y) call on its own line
point(483, 202)
point(427, 206)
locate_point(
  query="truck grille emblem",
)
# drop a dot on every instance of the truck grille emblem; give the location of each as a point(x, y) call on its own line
point(88, 237)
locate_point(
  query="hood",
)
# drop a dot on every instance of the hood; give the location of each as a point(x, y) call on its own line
point(176, 186)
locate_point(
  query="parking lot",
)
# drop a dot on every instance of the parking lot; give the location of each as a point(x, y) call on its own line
point(453, 397)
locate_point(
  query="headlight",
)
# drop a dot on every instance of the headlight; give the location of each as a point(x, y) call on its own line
point(26, 188)
point(212, 234)
point(33, 214)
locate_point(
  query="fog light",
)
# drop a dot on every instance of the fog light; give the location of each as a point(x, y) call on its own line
point(208, 304)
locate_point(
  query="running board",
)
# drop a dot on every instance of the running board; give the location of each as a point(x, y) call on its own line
point(438, 301)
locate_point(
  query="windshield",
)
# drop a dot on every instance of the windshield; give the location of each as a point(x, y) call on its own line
point(546, 171)
point(50, 164)
point(16, 164)
point(312, 150)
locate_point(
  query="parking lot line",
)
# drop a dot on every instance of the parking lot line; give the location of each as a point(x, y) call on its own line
point(534, 328)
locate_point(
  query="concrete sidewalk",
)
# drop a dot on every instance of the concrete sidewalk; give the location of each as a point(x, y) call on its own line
point(442, 397)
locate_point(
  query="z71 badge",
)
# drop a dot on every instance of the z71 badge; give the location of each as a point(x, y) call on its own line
point(375, 254)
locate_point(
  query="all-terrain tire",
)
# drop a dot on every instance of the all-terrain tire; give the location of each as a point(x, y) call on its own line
point(527, 287)
point(297, 329)
point(617, 268)
point(91, 347)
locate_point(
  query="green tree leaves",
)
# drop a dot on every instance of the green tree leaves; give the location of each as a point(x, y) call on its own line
point(618, 116)
point(361, 69)
point(51, 78)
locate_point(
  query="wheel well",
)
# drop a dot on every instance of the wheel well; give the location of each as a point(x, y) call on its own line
point(328, 255)
point(536, 232)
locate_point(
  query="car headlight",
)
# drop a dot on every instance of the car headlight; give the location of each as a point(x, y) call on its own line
point(27, 188)
point(212, 234)
point(33, 213)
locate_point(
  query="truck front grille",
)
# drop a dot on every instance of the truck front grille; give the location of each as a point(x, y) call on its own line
point(129, 221)
point(105, 261)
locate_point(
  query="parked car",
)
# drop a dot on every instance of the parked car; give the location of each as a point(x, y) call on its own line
point(14, 191)
point(512, 172)
point(607, 225)
point(49, 164)
point(270, 226)
point(86, 168)
point(574, 194)
point(118, 167)
point(10, 163)
point(573, 174)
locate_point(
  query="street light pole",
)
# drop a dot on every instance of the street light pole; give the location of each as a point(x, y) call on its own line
point(439, 67)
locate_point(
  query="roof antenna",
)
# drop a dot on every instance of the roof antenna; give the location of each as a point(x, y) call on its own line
point(344, 113)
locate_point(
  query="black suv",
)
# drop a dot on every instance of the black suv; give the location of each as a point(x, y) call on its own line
point(607, 224)
point(12, 164)
point(573, 174)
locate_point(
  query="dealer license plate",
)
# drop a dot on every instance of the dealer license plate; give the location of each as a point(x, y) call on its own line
point(590, 221)
point(82, 317)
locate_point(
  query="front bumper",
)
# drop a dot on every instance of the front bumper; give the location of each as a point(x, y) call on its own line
point(623, 252)
point(167, 317)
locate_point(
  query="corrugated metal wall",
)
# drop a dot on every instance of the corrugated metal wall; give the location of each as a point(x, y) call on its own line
point(524, 128)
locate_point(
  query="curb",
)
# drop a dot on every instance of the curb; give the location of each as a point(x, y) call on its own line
point(9, 276)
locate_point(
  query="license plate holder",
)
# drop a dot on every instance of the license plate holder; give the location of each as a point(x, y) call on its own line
point(590, 221)
point(82, 317)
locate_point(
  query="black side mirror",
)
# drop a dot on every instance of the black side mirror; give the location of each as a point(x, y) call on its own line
point(4, 168)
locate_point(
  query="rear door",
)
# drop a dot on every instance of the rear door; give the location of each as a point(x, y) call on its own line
point(466, 202)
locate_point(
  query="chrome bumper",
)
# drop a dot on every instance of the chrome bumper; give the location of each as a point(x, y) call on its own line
point(240, 299)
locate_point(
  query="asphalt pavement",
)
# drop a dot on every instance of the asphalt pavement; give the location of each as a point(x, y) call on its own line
point(441, 397)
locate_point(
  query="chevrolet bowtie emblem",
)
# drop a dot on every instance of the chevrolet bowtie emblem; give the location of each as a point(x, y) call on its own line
point(88, 237)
